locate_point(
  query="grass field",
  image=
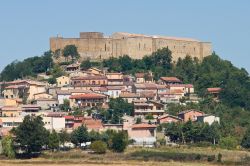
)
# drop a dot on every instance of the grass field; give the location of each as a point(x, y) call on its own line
point(165, 156)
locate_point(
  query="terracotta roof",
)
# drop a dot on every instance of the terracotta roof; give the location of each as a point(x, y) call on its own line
point(115, 87)
point(88, 96)
point(181, 85)
point(139, 75)
point(214, 90)
point(176, 91)
point(31, 82)
point(92, 124)
point(167, 115)
point(97, 77)
point(56, 114)
point(170, 79)
point(186, 111)
point(10, 108)
point(129, 95)
point(45, 99)
point(143, 125)
point(15, 86)
point(147, 94)
point(69, 117)
point(70, 91)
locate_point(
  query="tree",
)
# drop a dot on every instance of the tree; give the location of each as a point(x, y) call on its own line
point(126, 63)
point(8, 147)
point(65, 106)
point(70, 50)
point(31, 135)
point(99, 147)
point(63, 137)
point(117, 108)
point(245, 143)
point(86, 64)
point(54, 140)
point(119, 141)
point(80, 135)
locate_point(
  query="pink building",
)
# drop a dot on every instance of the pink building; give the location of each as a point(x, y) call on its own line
point(190, 115)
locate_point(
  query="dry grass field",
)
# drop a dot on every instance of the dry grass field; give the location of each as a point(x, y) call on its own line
point(130, 158)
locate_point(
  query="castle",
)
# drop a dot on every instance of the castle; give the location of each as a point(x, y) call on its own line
point(96, 46)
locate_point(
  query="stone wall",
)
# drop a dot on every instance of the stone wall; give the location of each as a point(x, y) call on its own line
point(94, 46)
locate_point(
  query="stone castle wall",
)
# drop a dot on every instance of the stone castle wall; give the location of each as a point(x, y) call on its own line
point(95, 46)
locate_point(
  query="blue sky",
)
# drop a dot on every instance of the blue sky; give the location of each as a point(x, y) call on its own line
point(25, 26)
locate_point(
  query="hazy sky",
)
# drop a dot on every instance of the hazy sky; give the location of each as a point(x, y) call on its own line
point(27, 25)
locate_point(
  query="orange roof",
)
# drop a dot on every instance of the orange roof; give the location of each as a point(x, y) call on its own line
point(10, 108)
point(143, 125)
point(87, 96)
point(68, 117)
point(214, 90)
point(170, 79)
point(177, 91)
point(139, 75)
point(186, 111)
point(181, 85)
point(92, 124)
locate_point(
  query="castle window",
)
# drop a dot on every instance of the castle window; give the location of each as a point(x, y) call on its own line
point(194, 49)
point(139, 46)
point(105, 47)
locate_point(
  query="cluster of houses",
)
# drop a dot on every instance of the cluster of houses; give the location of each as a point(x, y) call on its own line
point(94, 88)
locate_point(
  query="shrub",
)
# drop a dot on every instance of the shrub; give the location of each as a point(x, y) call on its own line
point(99, 147)
point(245, 143)
point(203, 144)
point(8, 148)
point(211, 158)
point(228, 142)
point(219, 158)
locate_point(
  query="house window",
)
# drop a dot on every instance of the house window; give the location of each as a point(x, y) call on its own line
point(6, 96)
point(12, 96)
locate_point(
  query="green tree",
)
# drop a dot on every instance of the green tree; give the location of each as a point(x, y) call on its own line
point(65, 106)
point(64, 137)
point(31, 135)
point(54, 140)
point(8, 147)
point(245, 143)
point(70, 51)
point(80, 135)
point(86, 64)
point(119, 141)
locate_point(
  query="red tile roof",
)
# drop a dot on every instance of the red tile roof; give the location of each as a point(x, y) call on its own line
point(92, 124)
point(214, 90)
point(186, 111)
point(170, 79)
point(97, 77)
point(176, 91)
point(88, 96)
point(181, 85)
point(142, 126)
point(68, 117)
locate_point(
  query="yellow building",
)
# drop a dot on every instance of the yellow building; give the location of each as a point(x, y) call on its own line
point(20, 89)
point(62, 81)
point(10, 111)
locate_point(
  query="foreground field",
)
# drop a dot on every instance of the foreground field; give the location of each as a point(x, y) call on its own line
point(166, 156)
